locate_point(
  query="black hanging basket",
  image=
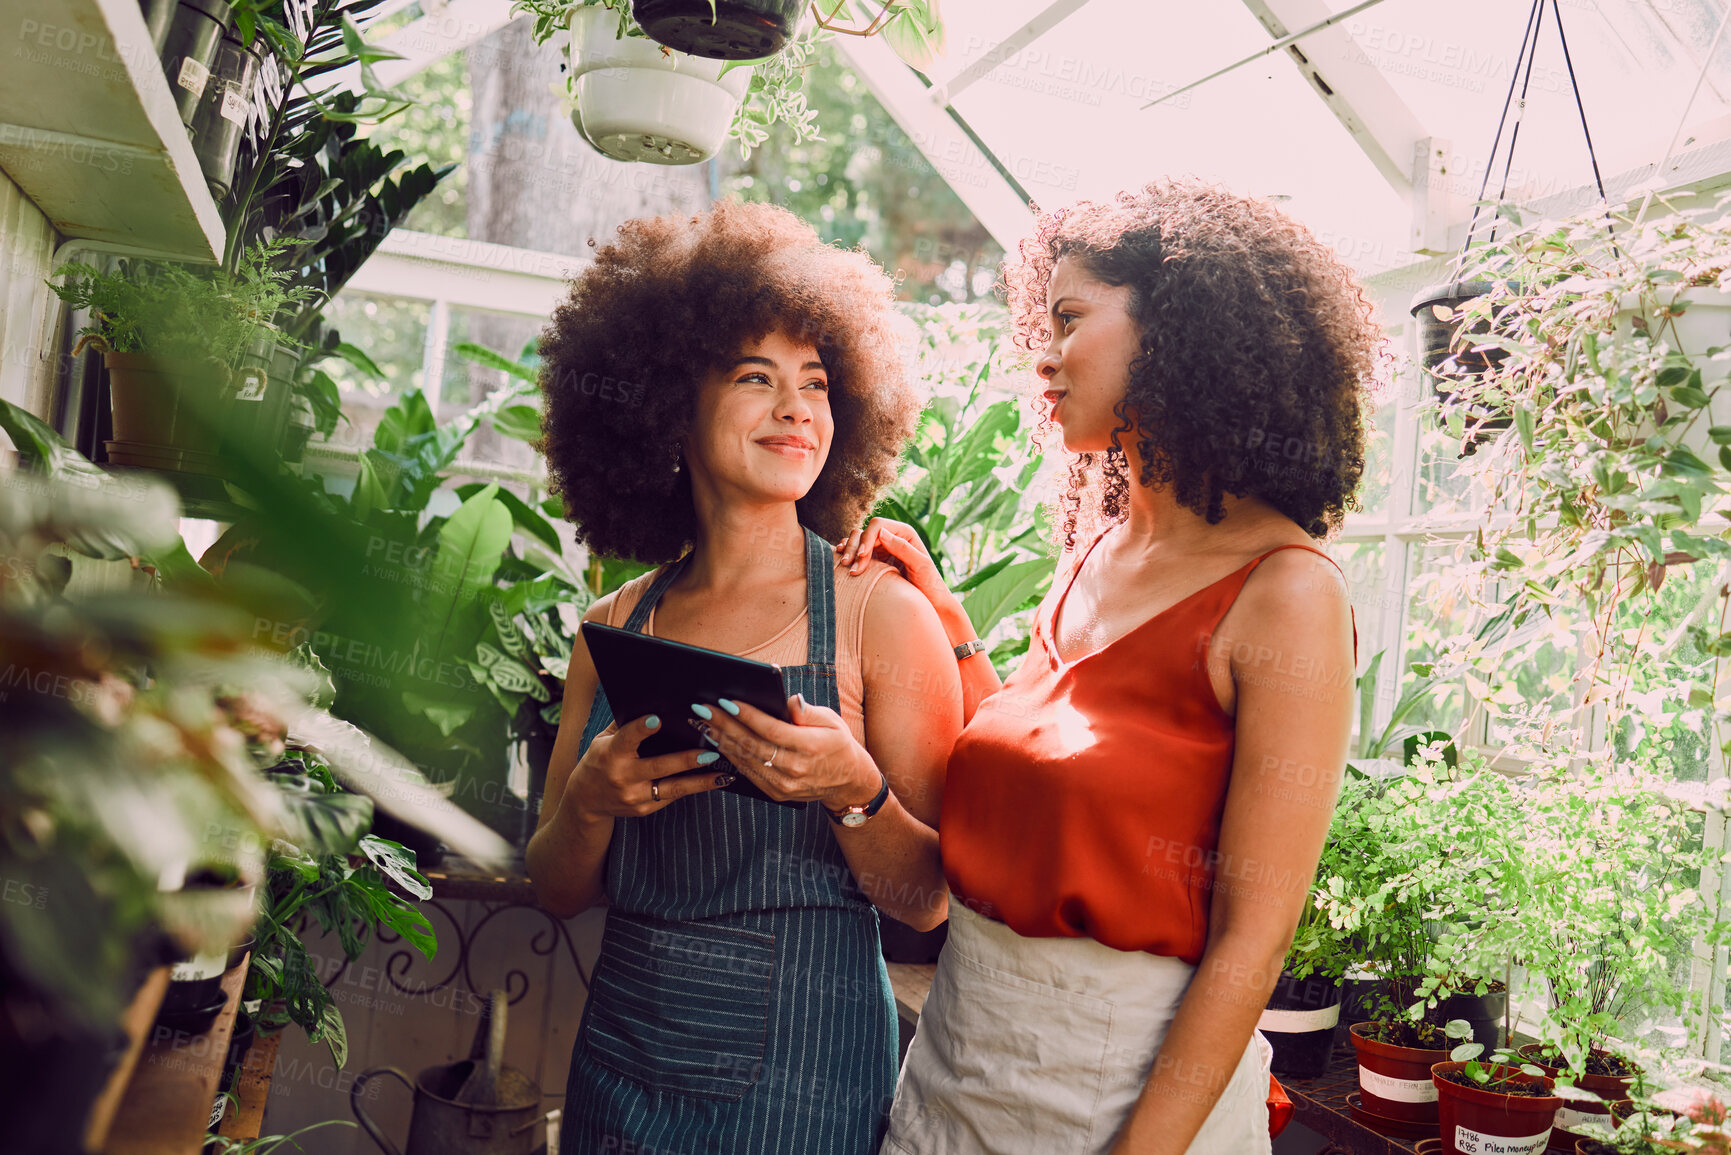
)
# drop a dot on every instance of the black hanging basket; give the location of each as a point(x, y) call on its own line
point(1448, 354)
point(736, 30)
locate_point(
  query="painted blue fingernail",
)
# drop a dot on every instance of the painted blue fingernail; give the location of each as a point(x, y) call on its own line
point(730, 707)
point(653, 722)
point(703, 712)
point(707, 757)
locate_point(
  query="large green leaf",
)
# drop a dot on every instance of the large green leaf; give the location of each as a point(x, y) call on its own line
point(526, 519)
point(1004, 592)
point(481, 355)
point(319, 821)
point(522, 422)
point(397, 862)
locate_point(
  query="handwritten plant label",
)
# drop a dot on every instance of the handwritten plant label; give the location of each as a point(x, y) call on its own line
point(1472, 1143)
point(1396, 1090)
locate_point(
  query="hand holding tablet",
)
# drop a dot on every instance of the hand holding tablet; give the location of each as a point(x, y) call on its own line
point(644, 675)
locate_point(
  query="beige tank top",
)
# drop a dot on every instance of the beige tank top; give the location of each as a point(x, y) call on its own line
point(789, 646)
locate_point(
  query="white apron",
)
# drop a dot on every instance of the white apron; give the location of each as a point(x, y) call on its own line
point(1041, 1046)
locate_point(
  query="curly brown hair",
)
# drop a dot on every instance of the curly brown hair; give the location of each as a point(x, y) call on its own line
point(677, 296)
point(1256, 340)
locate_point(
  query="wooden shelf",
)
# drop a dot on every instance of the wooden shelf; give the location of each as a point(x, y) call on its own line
point(90, 133)
point(245, 1119)
point(166, 1110)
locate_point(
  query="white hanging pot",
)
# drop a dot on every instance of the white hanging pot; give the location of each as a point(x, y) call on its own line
point(639, 101)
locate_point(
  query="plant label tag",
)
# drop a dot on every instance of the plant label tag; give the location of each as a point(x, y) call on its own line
point(1299, 1022)
point(1396, 1090)
point(193, 76)
point(252, 384)
point(1576, 1120)
point(1472, 1143)
point(234, 107)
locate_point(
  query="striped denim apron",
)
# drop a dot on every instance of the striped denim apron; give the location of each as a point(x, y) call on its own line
point(740, 1003)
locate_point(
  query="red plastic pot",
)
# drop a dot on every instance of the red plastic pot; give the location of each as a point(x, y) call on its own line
point(1395, 1082)
point(1576, 1113)
point(1478, 1122)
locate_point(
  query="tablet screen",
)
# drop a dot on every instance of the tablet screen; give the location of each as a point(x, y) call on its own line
point(647, 675)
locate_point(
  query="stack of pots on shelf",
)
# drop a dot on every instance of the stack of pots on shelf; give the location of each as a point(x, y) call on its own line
point(1474, 1120)
point(1301, 1023)
point(636, 100)
point(1576, 1115)
point(187, 33)
point(220, 123)
point(210, 74)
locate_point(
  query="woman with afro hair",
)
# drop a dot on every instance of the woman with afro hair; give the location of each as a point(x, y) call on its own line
point(725, 397)
point(1131, 822)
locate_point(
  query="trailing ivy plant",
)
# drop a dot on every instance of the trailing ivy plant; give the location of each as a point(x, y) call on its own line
point(1604, 545)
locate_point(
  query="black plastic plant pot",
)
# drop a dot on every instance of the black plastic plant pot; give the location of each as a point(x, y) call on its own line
point(735, 30)
point(188, 50)
point(220, 122)
point(1453, 364)
point(1484, 1012)
point(1300, 1023)
point(157, 14)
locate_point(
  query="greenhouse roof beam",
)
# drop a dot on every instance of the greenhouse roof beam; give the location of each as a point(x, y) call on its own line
point(1047, 19)
point(1355, 91)
point(965, 164)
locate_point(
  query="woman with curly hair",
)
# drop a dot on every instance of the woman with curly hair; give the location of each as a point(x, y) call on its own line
point(1131, 822)
point(725, 396)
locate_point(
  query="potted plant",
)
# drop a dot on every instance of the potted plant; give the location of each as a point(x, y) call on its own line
point(1420, 879)
point(633, 99)
point(183, 350)
point(1493, 1107)
point(1612, 857)
point(328, 870)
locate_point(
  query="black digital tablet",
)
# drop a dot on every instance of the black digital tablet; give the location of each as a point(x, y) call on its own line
point(647, 675)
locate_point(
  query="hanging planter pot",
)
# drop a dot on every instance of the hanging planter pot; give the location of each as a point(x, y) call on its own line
point(728, 30)
point(221, 119)
point(189, 48)
point(639, 101)
point(1395, 1082)
point(1447, 353)
point(1300, 1023)
point(1475, 1120)
point(1575, 1116)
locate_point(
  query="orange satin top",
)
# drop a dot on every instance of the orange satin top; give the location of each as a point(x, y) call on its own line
point(1084, 798)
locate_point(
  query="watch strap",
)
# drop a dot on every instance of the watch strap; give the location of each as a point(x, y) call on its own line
point(869, 809)
point(969, 648)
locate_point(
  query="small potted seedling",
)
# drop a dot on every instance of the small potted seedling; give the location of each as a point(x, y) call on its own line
point(1504, 1106)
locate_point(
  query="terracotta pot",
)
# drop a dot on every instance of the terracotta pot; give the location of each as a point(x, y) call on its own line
point(1301, 1022)
point(1576, 1113)
point(1479, 1122)
point(1396, 1082)
point(169, 404)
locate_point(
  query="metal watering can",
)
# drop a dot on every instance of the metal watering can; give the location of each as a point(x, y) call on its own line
point(475, 1107)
